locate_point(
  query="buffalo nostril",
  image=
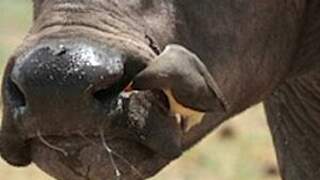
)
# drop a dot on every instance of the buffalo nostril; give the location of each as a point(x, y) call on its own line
point(105, 95)
point(15, 96)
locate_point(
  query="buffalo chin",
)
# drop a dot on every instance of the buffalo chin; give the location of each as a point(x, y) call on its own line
point(135, 146)
point(137, 140)
point(83, 157)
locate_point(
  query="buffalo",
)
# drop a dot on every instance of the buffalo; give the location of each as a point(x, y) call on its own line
point(115, 89)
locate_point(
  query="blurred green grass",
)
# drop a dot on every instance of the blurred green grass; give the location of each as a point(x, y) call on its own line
point(248, 155)
point(15, 18)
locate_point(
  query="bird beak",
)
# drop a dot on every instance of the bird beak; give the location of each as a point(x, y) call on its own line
point(128, 88)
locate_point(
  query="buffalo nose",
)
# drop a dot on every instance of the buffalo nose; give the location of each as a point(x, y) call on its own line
point(65, 74)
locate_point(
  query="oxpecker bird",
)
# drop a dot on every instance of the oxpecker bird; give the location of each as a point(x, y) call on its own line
point(187, 83)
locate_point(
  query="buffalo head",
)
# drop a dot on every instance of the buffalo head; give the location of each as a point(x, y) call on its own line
point(65, 107)
point(63, 94)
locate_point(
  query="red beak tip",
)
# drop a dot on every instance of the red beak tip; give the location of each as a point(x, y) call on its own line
point(128, 88)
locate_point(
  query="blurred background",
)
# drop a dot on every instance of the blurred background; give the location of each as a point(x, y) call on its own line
point(241, 149)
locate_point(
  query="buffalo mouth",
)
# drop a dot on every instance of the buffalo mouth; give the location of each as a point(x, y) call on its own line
point(91, 157)
point(133, 142)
